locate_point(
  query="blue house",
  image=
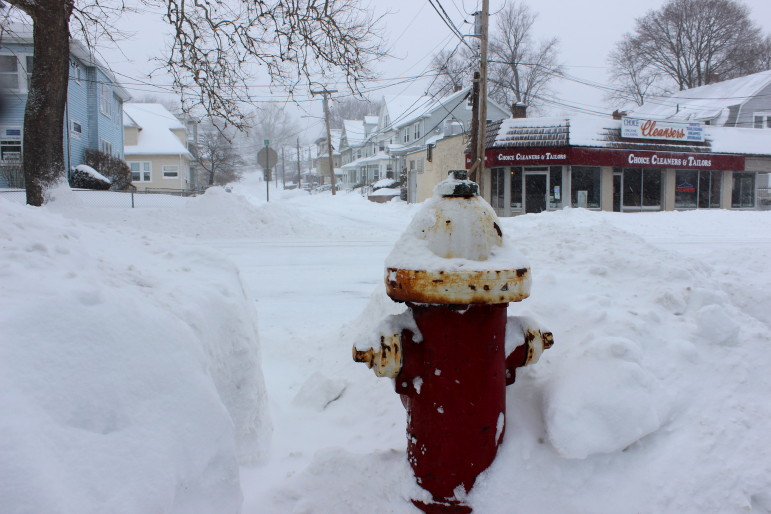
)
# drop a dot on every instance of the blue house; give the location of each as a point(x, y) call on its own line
point(94, 111)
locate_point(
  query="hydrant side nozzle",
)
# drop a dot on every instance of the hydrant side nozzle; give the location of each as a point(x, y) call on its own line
point(385, 359)
point(528, 350)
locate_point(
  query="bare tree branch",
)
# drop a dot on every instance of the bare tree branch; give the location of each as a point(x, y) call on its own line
point(689, 43)
point(296, 43)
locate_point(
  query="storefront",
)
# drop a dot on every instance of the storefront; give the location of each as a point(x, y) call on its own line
point(535, 167)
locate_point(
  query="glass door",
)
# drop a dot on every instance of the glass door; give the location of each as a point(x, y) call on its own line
point(536, 192)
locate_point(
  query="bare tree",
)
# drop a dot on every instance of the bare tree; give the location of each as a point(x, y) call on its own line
point(351, 108)
point(453, 69)
point(214, 51)
point(521, 69)
point(218, 156)
point(634, 79)
point(690, 43)
point(171, 104)
point(273, 122)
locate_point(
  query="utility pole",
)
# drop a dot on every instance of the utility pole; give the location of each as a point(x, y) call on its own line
point(481, 120)
point(325, 95)
point(283, 167)
point(474, 127)
point(299, 173)
point(267, 169)
point(482, 134)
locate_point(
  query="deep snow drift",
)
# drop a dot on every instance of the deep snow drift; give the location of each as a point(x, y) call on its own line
point(130, 373)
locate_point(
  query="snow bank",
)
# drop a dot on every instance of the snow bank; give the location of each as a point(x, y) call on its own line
point(131, 366)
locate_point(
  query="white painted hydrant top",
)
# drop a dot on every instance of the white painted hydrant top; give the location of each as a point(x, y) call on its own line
point(454, 252)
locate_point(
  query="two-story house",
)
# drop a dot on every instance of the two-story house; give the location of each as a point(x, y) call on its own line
point(94, 109)
point(156, 148)
point(413, 131)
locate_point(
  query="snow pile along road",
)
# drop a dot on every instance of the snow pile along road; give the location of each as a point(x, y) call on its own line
point(130, 365)
point(130, 371)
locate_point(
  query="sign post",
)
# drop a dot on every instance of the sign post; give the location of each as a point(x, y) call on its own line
point(265, 158)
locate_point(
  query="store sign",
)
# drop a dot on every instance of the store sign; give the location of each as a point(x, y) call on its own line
point(634, 128)
point(582, 156)
point(526, 157)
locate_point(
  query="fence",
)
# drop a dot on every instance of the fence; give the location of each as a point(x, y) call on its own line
point(154, 198)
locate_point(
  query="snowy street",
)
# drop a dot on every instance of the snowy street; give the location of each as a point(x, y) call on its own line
point(197, 359)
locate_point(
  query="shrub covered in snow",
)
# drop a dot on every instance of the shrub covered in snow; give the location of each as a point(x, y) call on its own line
point(111, 167)
point(86, 177)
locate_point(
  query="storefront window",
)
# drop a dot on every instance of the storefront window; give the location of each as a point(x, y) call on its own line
point(555, 187)
point(516, 188)
point(743, 195)
point(697, 188)
point(497, 176)
point(686, 189)
point(642, 188)
point(585, 186)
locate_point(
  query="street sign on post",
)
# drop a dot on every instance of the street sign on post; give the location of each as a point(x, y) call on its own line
point(267, 158)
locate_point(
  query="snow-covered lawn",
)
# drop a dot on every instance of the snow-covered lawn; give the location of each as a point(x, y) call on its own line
point(197, 359)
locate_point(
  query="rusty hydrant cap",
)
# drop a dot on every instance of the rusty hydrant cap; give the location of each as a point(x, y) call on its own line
point(457, 184)
point(454, 252)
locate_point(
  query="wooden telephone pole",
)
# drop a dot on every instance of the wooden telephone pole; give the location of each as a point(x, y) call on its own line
point(479, 99)
point(325, 95)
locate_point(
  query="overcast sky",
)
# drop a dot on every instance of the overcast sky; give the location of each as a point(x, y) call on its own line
point(587, 32)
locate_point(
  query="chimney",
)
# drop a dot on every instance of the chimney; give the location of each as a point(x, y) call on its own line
point(617, 115)
point(457, 88)
point(518, 110)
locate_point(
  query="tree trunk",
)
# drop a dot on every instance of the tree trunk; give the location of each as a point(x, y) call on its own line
point(44, 114)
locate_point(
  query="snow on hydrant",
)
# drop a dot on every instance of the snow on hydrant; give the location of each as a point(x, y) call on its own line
point(454, 351)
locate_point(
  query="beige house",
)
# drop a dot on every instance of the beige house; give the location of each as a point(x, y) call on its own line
point(429, 165)
point(155, 147)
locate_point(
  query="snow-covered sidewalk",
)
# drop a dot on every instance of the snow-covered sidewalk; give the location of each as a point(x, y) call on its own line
point(131, 380)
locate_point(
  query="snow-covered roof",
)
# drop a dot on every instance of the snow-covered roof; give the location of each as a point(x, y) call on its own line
point(405, 107)
point(606, 133)
point(155, 130)
point(355, 133)
point(371, 120)
point(705, 102)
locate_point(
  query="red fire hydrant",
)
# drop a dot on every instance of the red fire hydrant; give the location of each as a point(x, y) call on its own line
point(454, 351)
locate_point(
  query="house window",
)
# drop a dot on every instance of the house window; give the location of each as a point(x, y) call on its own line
point(141, 171)
point(105, 99)
point(105, 146)
point(30, 62)
point(76, 129)
point(9, 72)
point(417, 130)
point(10, 144)
point(170, 171)
point(76, 72)
point(762, 120)
point(420, 165)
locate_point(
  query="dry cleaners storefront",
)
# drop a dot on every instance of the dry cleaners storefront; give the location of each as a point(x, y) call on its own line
point(646, 176)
